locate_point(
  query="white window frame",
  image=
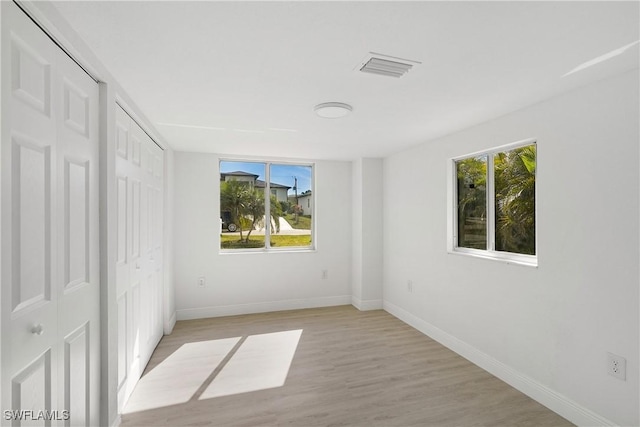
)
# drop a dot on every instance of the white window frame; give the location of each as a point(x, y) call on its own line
point(490, 252)
point(267, 206)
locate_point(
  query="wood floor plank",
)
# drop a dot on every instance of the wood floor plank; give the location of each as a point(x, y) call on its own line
point(351, 368)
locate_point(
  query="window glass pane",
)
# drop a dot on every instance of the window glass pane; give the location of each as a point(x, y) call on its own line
point(515, 200)
point(472, 202)
point(292, 205)
point(242, 205)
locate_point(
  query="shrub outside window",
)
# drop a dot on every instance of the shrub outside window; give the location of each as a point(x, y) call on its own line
point(495, 203)
point(261, 206)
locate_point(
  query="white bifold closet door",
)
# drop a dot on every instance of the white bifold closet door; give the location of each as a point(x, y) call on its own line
point(139, 176)
point(50, 293)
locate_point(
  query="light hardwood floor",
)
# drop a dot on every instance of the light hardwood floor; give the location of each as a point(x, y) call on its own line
point(351, 368)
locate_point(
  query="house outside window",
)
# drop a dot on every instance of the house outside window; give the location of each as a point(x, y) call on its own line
point(260, 206)
point(305, 201)
point(495, 203)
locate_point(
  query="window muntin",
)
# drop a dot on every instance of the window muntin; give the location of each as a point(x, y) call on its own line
point(495, 199)
point(248, 190)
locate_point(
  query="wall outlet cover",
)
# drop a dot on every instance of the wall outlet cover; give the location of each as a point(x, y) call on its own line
point(617, 366)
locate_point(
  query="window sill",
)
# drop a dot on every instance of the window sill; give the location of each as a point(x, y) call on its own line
point(532, 262)
point(266, 251)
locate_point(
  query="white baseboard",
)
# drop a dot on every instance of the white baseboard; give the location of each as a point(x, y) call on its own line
point(558, 403)
point(365, 305)
point(261, 307)
point(169, 324)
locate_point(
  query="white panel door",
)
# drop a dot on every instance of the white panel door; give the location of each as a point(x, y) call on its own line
point(139, 162)
point(50, 255)
point(126, 356)
point(78, 241)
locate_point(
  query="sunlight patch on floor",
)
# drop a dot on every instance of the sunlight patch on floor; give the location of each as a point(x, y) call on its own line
point(261, 362)
point(179, 376)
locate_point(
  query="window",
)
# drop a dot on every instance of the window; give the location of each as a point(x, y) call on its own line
point(261, 206)
point(495, 203)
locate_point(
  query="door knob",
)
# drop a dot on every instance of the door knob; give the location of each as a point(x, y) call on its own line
point(37, 330)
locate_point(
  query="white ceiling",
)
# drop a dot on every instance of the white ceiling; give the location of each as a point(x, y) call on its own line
point(242, 78)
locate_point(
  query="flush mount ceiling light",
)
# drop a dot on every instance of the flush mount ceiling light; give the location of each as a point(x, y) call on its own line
point(332, 110)
point(385, 65)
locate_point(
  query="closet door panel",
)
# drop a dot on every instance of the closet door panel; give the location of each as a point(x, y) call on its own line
point(50, 258)
point(139, 243)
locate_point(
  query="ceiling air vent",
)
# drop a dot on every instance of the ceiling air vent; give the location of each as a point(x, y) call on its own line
point(384, 65)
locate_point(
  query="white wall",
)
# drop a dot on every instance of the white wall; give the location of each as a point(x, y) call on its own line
point(546, 330)
point(366, 286)
point(356, 231)
point(169, 304)
point(254, 282)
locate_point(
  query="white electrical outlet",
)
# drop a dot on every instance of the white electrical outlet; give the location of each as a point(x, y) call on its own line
point(410, 285)
point(617, 366)
point(201, 282)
